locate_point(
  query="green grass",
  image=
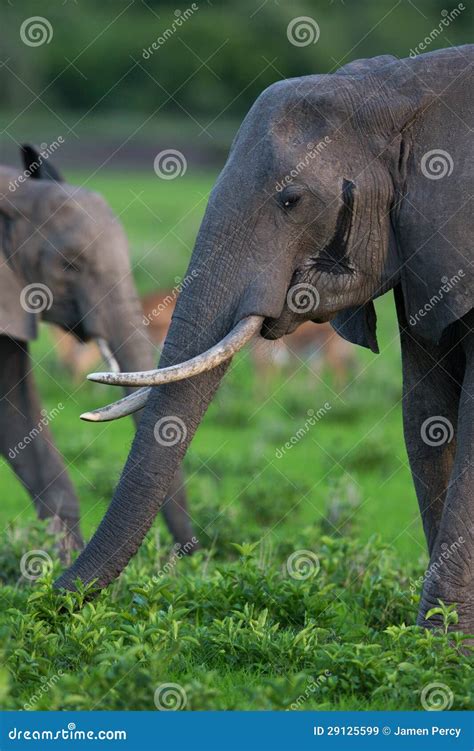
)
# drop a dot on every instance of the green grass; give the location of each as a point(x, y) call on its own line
point(230, 626)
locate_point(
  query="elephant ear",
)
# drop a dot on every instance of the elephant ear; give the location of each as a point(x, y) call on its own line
point(358, 325)
point(16, 321)
point(38, 166)
point(434, 221)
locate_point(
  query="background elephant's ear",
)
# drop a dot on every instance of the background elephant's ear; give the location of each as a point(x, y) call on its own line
point(358, 325)
point(38, 166)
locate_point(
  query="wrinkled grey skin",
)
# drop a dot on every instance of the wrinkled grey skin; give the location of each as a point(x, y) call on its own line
point(67, 239)
point(359, 219)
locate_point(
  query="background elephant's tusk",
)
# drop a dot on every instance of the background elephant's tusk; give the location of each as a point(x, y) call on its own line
point(121, 408)
point(224, 350)
point(106, 353)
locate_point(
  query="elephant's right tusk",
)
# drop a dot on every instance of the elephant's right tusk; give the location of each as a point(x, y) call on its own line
point(121, 408)
point(222, 351)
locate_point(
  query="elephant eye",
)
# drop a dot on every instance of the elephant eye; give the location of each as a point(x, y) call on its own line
point(289, 199)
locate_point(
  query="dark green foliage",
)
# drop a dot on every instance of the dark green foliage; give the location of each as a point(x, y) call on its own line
point(234, 634)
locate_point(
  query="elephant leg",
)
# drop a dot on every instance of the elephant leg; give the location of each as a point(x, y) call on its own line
point(27, 444)
point(450, 574)
point(431, 390)
point(176, 515)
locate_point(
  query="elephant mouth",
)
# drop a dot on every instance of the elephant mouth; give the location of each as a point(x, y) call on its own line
point(275, 328)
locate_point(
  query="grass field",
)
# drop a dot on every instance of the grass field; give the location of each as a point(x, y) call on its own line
point(230, 626)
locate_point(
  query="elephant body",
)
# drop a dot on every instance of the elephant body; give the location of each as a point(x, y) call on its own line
point(338, 189)
point(63, 259)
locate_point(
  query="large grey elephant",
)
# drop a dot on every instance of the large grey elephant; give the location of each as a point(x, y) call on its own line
point(63, 259)
point(337, 189)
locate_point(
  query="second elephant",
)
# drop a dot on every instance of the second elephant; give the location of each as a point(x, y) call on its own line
point(63, 259)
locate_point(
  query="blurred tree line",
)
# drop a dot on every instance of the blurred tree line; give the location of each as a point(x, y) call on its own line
point(218, 60)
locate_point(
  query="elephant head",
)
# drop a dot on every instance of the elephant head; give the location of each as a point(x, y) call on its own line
point(65, 261)
point(303, 223)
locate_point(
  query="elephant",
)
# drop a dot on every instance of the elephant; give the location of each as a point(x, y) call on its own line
point(63, 259)
point(338, 188)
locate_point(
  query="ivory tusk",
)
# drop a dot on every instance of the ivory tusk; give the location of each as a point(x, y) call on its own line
point(106, 353)
point(224, 350)
point(126, 406)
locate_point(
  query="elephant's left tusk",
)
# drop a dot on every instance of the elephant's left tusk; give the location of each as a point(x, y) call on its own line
point(121, 408)
point(219, 353)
